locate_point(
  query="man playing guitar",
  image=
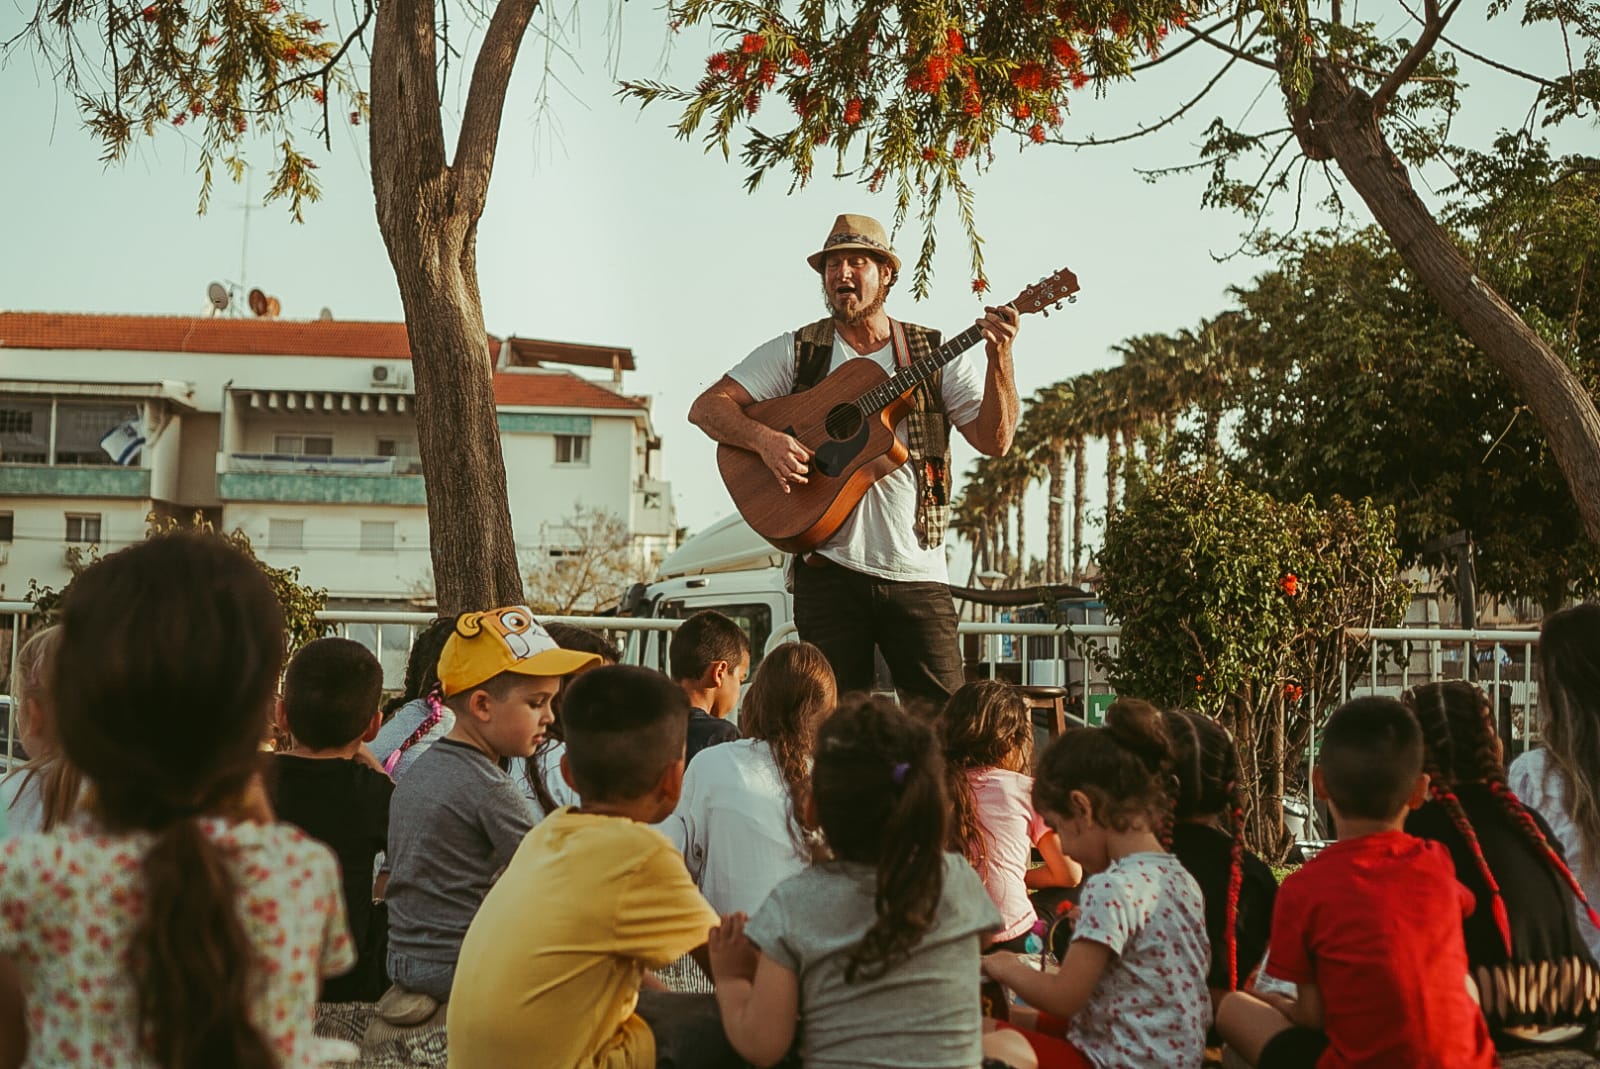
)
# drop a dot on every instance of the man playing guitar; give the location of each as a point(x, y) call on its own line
point(881, 579)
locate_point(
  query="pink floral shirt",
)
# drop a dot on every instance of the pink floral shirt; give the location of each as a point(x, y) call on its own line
point(69, 901)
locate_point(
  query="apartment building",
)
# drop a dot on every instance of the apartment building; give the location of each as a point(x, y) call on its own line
point(300, 433)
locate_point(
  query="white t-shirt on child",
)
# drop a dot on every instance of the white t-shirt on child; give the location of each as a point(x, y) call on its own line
point(22, 798)
point(69, 902)
point(1151, 1006)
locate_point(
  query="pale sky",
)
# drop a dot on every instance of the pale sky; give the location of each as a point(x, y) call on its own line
point(602, 228)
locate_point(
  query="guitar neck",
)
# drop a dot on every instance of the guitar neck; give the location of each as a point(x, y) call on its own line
point(920, 371)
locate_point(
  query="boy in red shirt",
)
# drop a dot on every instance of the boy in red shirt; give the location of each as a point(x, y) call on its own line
point(1370, 931)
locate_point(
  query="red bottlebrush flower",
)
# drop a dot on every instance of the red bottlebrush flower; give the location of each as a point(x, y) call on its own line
point(930, 154)
point(1161, 31)
point(1293, 691)
point(181, 118)
point(717, 62)
point(149, 13)
point(753, 42)
point(1028, 76)
point(319, 96)
point(769, 72)
point(852, 111)
point(960, 149)
point(240, 125)
point(980, 285)
point(1079, 79)
point(1037, 133)
point(1065, 54)
point(313, 27)
point(800, 60)
point(875, 183)
point(752, 101)
point(273, 7)
point(1052, 115)
point(291, 54)
point(1021, 110)
point(937, 70)
point(355, 118)
point(1119, 24)
point(1290, 584)
point(1180, 17)
point(953, 42)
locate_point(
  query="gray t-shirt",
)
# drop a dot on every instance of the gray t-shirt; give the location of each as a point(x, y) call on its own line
point(454, 822)
point(814, 919)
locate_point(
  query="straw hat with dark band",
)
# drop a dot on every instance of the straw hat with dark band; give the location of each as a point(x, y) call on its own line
point(855, 232)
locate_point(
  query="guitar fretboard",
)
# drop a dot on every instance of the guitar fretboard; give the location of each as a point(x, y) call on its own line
point(918, 372)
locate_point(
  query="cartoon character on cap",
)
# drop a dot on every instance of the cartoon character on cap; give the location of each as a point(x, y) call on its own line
point(485, 644)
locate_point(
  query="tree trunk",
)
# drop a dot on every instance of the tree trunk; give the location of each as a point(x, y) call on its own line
point(1056, 559)
point(1022, 537)
point(428, 213)
point(1080, 498)
point(1113, 468)
point(1003, 558)
point(1339, 122)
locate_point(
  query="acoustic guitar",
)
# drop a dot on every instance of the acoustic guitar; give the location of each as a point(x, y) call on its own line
point(847, 421)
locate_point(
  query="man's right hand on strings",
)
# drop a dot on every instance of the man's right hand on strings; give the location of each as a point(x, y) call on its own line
point(786, 458)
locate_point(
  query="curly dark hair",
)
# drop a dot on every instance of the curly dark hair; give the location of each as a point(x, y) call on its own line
point(878, 785)
point(1125, 769)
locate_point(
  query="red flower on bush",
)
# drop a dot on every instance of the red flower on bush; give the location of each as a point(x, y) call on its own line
point(753, 42)
point(1021, 110)
point(752, 101)
point(313, 26)
point(960, 149)
point(717, 62)
point(1079, 79)
point(800, 60)
point(1119, 24)
point(953, 41)
point(769, 72)
point(181, 118)
point(1290, 584)
point(1052, 115)
point(979, 285)
point(1028, 76)
point(1065, 54)
point(149, 13)
point(930, 154)
point(319, 96)
point(1293, 692)
point(852, 111)
point(355, 118)
point(1037, 133)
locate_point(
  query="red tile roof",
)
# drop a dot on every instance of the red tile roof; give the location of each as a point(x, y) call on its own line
point(184, 334)
point(558, 389)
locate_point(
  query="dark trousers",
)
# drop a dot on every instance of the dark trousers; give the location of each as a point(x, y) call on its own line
point(688, 1031)
point(846, 614)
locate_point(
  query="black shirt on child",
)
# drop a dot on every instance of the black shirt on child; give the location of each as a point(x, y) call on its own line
point(1207, 853)
point(345, 804)
point(707, 730)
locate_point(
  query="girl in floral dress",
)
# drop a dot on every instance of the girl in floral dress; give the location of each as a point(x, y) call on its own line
point(173, 924)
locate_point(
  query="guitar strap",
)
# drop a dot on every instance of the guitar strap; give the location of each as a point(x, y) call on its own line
point(902, 349)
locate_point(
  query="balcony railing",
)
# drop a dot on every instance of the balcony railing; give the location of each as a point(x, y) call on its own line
point(298, 463)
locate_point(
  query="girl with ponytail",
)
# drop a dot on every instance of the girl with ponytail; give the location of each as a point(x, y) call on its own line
point(871, 956)
point(1208, 839)
point(173, 924)
point(1537, 982)
point(1133, 981)
point(418, 717)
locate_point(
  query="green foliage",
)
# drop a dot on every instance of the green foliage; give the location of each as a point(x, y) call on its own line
point(1236, 605)
point(300, 603)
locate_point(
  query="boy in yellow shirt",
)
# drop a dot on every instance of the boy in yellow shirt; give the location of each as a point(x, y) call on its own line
point(550, 970)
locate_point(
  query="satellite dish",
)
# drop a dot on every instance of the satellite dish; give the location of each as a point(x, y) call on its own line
point(273, 308)
point(326, 315)
point(218, 295)
point(258, 302)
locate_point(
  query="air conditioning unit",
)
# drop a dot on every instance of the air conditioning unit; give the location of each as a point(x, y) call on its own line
point(391, 376)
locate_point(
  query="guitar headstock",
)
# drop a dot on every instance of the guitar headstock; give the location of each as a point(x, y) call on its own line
point(1048, 292)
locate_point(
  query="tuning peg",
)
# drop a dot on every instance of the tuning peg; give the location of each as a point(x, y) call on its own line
point(1046, 312)
point(1073, 299)
point(1058, 306)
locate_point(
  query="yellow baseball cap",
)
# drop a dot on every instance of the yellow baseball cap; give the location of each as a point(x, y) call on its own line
point(485, 644)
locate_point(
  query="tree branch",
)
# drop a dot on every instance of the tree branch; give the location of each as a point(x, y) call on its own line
point(1231, 19)
point(322, 70)
point(1432, 27)
point(1237, 53)
point(1485, 60)
point(1167, 121)
point(486, 97)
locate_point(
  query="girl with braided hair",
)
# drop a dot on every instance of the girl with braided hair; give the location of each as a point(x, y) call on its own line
point(418, 716)
point(987, 733)
point(1536, 980)
point(1208, 839)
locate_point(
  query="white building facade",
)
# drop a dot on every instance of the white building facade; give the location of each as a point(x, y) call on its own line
point(300, 434)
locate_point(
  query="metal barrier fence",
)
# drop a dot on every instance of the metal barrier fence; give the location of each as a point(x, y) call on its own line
point(1502, 662)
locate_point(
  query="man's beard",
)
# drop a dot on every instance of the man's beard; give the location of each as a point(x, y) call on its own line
point(860, 315)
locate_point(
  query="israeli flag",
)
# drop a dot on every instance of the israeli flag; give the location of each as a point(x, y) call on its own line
point(123, 442)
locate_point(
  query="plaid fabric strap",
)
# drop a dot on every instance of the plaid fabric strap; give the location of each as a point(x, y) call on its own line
point(927, 427)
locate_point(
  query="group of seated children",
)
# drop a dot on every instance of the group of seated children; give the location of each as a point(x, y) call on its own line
point(848, 872)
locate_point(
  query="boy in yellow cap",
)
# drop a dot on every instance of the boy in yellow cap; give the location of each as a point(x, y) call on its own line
point(457, 816)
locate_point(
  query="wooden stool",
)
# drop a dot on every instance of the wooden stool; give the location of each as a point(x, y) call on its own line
point(1050, 701)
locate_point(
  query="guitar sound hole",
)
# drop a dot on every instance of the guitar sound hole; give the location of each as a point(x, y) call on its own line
point(843, 422)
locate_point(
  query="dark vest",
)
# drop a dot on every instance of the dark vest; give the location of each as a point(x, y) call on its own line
point(927, 426)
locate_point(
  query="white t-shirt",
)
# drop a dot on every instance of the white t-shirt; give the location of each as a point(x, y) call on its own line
point(22, 798)
point(1151, 1006)
point(1532, 779)
point(549, 763)
point(732, 824)
point(880, 535)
